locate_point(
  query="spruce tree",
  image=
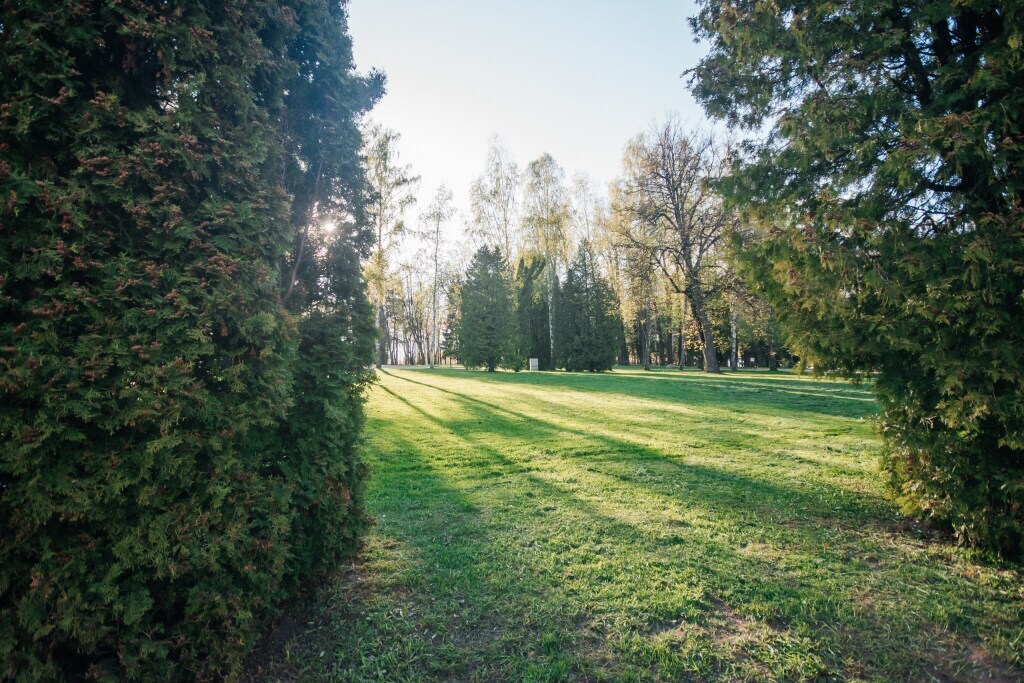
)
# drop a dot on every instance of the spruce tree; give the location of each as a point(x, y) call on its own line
point(486, 326)
point(587, 325)
point(182, 350)
point(531, 337)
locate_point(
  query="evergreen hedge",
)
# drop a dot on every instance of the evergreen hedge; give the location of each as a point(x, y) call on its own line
point(181, 359)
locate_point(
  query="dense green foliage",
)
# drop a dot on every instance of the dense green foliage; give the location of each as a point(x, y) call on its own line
point(644, 526)
point(888, 197)
point(182, 352)
point(486, 321)
point(532, 338)
point(450, 328)
point(504, 321)
point(587, 328)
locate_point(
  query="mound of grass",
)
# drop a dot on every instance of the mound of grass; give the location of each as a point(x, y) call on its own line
point(644, 526)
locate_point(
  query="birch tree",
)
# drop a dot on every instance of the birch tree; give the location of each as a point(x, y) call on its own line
point(494, 202)
point(391, 186)
point(434, 219)
point(545, 223)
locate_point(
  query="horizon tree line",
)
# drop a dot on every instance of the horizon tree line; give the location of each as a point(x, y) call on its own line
point(677, 301)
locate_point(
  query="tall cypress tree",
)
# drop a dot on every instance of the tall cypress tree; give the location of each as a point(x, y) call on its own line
point(171, 325)
point(486, 327)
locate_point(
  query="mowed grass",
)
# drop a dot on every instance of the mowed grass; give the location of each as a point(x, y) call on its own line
point(639, 526)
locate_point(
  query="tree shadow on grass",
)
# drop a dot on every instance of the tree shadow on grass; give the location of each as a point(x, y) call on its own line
point(494, 561)
point(551, 510)
point(416, 605)
point(743, 495)
point(797, 398)
point(833, 530)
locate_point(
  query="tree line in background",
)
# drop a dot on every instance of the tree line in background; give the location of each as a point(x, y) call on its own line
point(500, 318)
point(656, 249)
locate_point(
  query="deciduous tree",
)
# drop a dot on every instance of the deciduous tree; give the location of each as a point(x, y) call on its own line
point(434, 219)
point(674, 213)
point(545, 222)
point(494, 201)
point(392, 193)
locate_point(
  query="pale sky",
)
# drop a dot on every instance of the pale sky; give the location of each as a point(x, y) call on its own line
point(575, 78)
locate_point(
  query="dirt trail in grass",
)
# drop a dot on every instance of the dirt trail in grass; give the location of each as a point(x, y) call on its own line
point(642, 526)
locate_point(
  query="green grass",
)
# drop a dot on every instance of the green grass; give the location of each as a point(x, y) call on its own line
point(644, 526)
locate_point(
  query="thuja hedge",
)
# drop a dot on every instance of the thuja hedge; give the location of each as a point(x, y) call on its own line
point(181, 356)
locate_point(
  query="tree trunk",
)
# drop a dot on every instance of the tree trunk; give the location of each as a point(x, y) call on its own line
point(623, 346)
point(433, 337)
point(772, 364)
point(682, 336)
point(734, 356)
point(703, 327)
point(382, 342)
point(646, 345)
point(551, 311)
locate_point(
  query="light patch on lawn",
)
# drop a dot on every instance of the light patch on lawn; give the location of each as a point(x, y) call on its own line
point(640, 526)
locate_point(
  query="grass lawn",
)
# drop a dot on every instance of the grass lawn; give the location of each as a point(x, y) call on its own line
point(639, 526)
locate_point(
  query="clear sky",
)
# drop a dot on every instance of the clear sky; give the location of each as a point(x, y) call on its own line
point(575, 78)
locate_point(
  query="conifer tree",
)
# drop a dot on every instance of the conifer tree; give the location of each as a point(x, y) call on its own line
point(588, 327)
point(888, 196)
point(486, 325)
point(531, 312)
point(182, 338)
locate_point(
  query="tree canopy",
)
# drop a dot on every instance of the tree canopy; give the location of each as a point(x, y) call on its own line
point(883, 173)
